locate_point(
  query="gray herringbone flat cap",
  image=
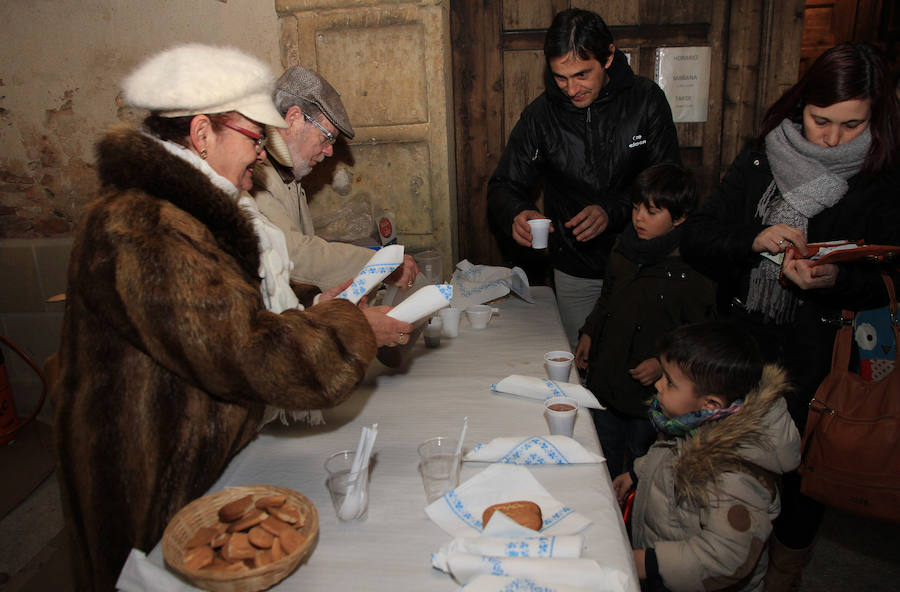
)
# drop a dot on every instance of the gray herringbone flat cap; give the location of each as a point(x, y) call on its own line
point(311, 87)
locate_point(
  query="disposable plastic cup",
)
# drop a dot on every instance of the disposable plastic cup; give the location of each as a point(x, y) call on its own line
point(433, 332)
point(540, 230)
point(450, 319)
point(560, 413)
point(439, 466)
point(430, 265)
point(559, 365)
point(338, 466)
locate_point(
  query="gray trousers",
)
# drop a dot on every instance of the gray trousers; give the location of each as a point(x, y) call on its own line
point(575, 298)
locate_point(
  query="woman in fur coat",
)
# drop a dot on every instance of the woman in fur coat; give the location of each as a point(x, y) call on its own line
point(169, 355)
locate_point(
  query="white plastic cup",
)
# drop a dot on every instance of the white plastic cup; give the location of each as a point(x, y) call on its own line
point(439, 466)
point(450, 319)
point(559, 365)
point(479, 315)
point(560, 413)
point(540, 230)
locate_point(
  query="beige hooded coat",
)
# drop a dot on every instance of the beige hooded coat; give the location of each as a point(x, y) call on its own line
point(706, 503)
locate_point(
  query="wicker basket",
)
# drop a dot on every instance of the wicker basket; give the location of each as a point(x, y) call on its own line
point(204, 512)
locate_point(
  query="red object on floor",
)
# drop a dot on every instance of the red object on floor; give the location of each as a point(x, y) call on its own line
point(10, 423)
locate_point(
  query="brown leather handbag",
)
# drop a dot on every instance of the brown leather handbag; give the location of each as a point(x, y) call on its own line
point(851, 446)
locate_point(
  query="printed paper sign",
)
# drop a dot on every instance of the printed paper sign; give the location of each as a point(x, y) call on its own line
point(683, 73)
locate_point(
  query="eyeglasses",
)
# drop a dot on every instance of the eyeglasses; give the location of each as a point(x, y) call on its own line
point(329, 137)
point(260, 139)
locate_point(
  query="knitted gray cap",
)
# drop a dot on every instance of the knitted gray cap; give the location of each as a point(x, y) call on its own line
point(309, 86)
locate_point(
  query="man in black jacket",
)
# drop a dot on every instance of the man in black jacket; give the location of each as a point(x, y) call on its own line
point(595, 127)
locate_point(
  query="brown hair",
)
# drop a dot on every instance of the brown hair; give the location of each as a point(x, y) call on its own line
point(845, 72)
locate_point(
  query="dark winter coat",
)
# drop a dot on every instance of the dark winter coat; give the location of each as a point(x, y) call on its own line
point(168, 355)
point(638, 304)
point(718, 240)
point(584, 156)
point(705, 503)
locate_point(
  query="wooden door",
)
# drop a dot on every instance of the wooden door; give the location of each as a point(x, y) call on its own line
point(389, 61)
point(829, 22)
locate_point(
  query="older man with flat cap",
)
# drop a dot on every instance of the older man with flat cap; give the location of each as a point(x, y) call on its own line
point(316, 117)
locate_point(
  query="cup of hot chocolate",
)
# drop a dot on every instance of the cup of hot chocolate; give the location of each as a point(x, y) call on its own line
point(559, 365)
point(561, 412)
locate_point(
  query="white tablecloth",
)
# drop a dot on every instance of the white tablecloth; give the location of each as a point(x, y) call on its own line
point(428, 397)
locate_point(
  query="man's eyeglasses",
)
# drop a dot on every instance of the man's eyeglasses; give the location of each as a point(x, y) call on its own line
point(260, 139)
point(330, 139)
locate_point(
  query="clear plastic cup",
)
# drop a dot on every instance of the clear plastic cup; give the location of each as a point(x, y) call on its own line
point(356, 507)
point(439, 466)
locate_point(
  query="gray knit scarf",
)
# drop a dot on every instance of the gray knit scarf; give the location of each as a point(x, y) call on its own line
point(807, 180)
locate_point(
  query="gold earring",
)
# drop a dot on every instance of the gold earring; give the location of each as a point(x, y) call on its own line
point(203, 154)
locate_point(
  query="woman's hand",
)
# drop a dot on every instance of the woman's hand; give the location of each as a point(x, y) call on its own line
point(332, 292)
point(647, 372)
point(807, 276)
point(622, 485)
point(388, 331)
point(775, 239)
point(582, 351)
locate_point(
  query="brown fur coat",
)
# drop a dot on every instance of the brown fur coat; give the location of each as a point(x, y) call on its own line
point(168, 355)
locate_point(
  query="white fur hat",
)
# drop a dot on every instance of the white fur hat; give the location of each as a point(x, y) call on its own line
point(193, 79)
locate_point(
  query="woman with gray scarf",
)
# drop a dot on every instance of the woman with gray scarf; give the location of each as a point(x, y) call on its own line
point(825, 167)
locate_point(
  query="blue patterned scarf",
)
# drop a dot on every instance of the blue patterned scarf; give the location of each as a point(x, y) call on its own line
point(687, 424)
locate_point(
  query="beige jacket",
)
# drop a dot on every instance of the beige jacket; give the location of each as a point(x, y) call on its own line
point(316, 261)
point(706, 503)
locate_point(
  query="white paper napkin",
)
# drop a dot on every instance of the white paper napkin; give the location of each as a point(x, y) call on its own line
point(490, 583)
point(533, 450)
point(544, 388)
point(139, 574)
point(459, 511)
point(536, 547)
point(424, 302)
point(381, 265)
point(477, 284)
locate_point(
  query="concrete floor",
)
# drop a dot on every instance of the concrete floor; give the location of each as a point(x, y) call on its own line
point(851, 555)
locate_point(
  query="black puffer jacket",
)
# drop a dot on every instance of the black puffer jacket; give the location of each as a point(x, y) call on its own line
point(584, 156)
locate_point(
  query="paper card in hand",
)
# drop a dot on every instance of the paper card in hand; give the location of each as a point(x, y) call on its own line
point(845, 251)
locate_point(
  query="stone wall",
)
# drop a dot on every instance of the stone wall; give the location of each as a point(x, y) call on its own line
point(59, 71)
point(59, 75)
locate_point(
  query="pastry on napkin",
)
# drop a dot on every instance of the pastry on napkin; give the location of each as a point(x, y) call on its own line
point(382, 264)
point(543, 388)
point(490, 583)
point(533, 450)
point(459, 511)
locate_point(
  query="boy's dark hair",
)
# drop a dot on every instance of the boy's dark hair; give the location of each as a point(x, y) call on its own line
point(577, 31)
point(717, 356)
point(668, 185)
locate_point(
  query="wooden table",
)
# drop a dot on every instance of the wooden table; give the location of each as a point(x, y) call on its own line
point(428, 396)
